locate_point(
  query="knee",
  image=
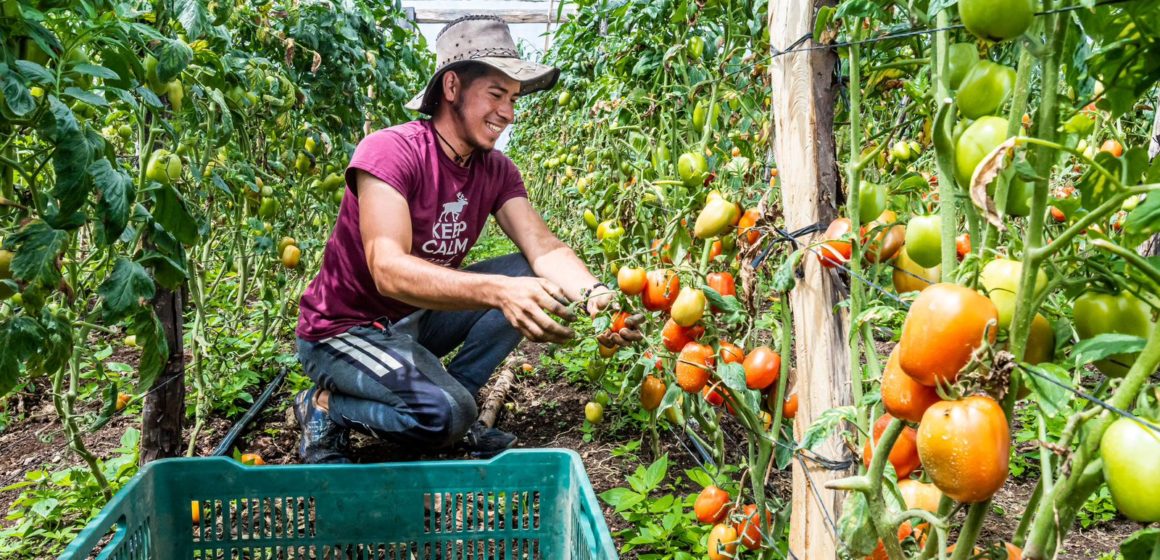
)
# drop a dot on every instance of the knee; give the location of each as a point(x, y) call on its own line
point(447, 422)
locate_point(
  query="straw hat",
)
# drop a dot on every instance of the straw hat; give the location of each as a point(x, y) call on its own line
point(484, 39)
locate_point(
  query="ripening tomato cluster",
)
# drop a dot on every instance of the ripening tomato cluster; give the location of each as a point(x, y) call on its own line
point(733, 524)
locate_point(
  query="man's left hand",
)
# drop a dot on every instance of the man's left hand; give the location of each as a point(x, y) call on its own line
point(598, 300)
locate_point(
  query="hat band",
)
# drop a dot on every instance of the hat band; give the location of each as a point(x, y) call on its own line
point(482, 53)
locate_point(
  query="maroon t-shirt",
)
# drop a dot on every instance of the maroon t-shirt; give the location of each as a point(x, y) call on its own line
point(449, 207)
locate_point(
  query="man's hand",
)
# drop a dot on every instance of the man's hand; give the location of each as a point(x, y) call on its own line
point(598, 300)
point(626, 336)
point(526, 302)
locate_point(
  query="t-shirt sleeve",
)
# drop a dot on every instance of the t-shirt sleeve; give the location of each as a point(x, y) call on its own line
point(511, 184)
point(387, 156)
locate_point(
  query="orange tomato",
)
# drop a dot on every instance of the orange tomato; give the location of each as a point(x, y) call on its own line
point(631, 280)
point(834, 251)
point(879, 553)
point(722, 283)
point(904, 454)
point(762, 368)
point(750, 527)
point(886, 243)
point(722, 543)
point(664, 255)
point(745, 226)
point(693, 365)
point(675, 337)
point(251, 459)
point(902, 396)
point(196, 509)
point(963, 246)
point(731, 353)
point(945, 325)
point(1112, 147)
point(919, 495)
point(1058, 215)
point(652, 392)
point(789, 408)
point(618, 321)
point(661, 290)
point(711, 505)
point(712, 395)
point(715, 250)
point(965, 446)
point(122, 401)
point(608, 351)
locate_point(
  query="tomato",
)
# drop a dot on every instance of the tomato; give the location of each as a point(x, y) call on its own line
point(122, 401)
point(652, 392)
point(722, 283)
point(607, 351)
point(618, 321)
point(1131, 453)
point(594, 412)
point(1040, 341)
point(965, 446)
point(714, 219)
point(715, 249)
point(701, 111)
point(285, 241)
point(661, 290)
point(961, 57)
point(924, 240)
point(163, 167)
point(131, 341)
point(871, 201)
point(695, 47)
point(835, 252)
point(689, 307)
point(902, 396)
point(610, 230)
point(590, 219)
point(762, 367)
point(290, 256)
point(1112, 147)
point(251, 459)
point(722, 543)
point(1000, 280)
point(675, 337)
point(996, 20)
point(564, 98)
point(631, 280)
point(693, 365)
point(944, 326)
point(886, 243)
point(984, 90)
point(1099, 313)
point(904, 531)
point(1019, 194)
point(711, 504)
point(908, 276)
point(195, 508)
point(974, 144)
point(900, 152)
point(750, 527)
point(1058, 215)
point(745, 226)
point(904, 454)
point(919, 495)
point(790, 407)
point(693, 168)
point(175, 93)
point(268, 209)
point(963, 246)
point(731, 353)
point(713, 395)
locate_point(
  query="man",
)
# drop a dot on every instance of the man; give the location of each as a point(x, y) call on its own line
point(389, 300)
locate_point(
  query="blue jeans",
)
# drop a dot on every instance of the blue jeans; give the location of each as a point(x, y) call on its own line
point(387, 381)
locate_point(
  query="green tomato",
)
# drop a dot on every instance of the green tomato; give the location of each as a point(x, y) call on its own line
point(1098, 313)
point(175, 93)
point(924, 240)
point(268, 208)
point(1019, 194)
point(125, 131)
point(661, 157)
point(984, 89)
point(900, 151)
point(996, 20)
point(594, 412)
point(701, 111)
point(871, 201)
point(564, 99)
point(693, 168)
point(163, 167)
point(602, 397)
point(714, 218)
point(961, 57)
point(1000, 279)
point(695, 47)
point(590, 219)
point(975, 143)
point(1131, 453)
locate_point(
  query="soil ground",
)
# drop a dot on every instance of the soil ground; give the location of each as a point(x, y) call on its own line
point(546, 411)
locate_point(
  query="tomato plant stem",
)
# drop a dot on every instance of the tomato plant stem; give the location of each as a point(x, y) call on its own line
point(887, 531)
point(969, 534)
point(853, 206)
point(946, 185)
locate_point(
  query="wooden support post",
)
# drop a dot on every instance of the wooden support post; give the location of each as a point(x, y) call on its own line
point(496, 397)
point(804, 145)
point(164, 410)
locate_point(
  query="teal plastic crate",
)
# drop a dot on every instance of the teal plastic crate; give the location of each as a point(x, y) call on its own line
point(522, 504)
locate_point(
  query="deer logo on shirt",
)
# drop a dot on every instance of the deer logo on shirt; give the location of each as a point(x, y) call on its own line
point(447, 233)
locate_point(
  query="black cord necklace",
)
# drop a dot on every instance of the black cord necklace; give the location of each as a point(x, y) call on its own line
point(462, 161)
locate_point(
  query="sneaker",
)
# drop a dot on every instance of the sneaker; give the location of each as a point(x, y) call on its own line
point(483, 442)
point(323, 441)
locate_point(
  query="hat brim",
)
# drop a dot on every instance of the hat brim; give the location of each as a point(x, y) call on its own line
point(532, 77)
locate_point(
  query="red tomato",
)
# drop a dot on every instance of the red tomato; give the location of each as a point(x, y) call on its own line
point(762, 368)
point(942, 330)
point(675, 337)
point(963, 245)
point(965, 447)
point(661, 290)
point(693, 365)
point(835, 252)
point(904, 454)
point(731, 353)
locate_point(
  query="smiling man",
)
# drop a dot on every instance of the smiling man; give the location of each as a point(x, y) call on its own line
point(390, 299)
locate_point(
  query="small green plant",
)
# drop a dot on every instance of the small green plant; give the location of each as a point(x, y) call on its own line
point(661, 523)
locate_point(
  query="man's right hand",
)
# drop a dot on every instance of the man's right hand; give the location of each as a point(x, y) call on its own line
point(526, 302)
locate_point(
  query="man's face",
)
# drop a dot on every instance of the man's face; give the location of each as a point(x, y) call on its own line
point(485, 108)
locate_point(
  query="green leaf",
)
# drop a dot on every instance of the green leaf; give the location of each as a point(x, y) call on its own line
point(116, 191)
point(727, 304)
point(1104, 346)
point(86, 96)
point(193, 17)
point(35, 72)
point(18, 98)
point(656, 472)
point(783, 279)
point(1145, 219)
point(71, 158)
point(154, 348)
point(827, 425)
point(172, 58)
point(95, 71)
point(1050, 397)
point(854, 526)
point(128, 288)
point(1141, 545)
point(700, 477)
point(37, 247)
point(621, 499)
point(173, 215)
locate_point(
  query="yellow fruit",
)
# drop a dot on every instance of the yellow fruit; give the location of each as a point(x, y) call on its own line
point(290, 256)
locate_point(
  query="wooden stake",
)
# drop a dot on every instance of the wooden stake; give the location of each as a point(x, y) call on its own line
point(496, 397)
point(803, 116)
